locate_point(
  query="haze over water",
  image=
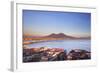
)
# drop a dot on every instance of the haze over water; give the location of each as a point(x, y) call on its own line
point(65, 44)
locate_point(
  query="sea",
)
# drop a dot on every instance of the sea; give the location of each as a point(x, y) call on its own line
point(68, 45)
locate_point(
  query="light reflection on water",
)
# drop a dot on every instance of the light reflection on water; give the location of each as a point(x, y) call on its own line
point(65, 44)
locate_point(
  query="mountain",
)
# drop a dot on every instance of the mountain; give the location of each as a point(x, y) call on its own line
point(59, 35)
point(53, 36)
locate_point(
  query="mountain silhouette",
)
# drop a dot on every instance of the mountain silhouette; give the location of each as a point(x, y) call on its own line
point(59, 35)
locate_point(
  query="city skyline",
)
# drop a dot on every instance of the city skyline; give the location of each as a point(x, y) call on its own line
point(41, 23)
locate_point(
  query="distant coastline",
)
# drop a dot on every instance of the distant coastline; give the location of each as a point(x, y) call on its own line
point(52, 37)
point(26, 42)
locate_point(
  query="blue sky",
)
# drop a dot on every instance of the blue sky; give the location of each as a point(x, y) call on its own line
point(46, 22)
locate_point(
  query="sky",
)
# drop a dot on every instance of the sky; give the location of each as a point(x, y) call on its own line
point(41, 23)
